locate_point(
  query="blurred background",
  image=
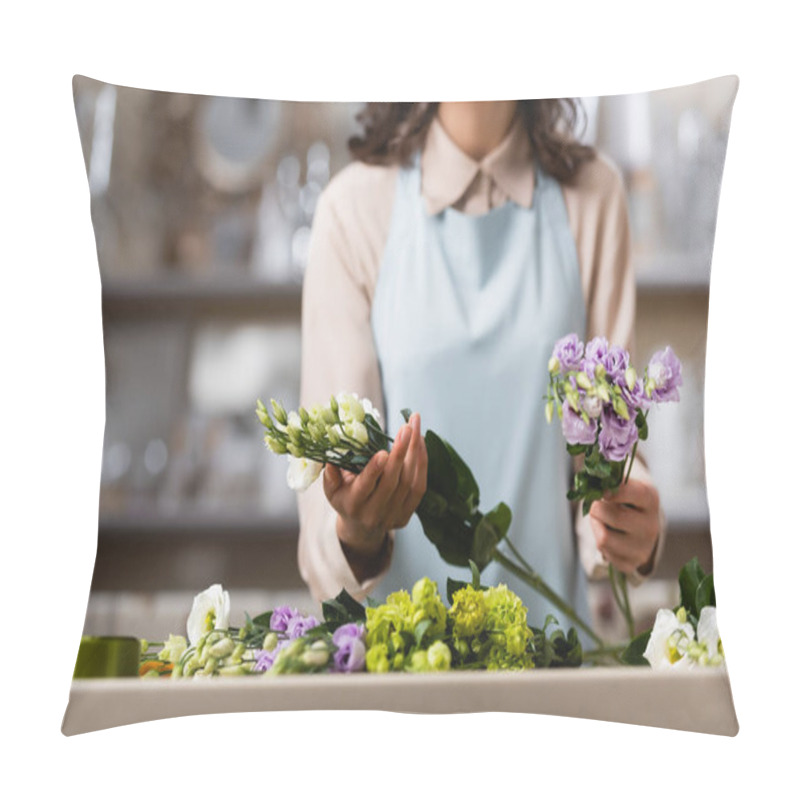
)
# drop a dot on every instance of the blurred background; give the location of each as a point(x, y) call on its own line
point(202, 209)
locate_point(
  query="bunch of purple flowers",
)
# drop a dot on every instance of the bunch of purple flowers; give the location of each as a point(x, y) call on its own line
point(603, 404)
point(297, 644)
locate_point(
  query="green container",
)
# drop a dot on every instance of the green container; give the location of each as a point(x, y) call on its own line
point(108, 657)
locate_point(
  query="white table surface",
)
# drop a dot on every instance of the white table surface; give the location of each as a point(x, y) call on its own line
point(699, 700)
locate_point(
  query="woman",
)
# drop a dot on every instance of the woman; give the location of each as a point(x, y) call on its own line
point(445, 263)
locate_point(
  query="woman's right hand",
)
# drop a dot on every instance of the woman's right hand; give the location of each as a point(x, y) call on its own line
point(379, 499)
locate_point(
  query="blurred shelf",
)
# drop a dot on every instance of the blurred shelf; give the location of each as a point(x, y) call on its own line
point(198, 523)
point(675, 271)
point(188, 297)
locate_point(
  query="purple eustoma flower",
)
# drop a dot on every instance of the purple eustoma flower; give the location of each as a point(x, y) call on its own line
point(299, 626)
point(575, 429)
point(664, 370)
point(266, 658)
point(350, 655)
point(614, 359)
point(569, 352)
point(636, 397)
point(281, 617)
point(617, 435)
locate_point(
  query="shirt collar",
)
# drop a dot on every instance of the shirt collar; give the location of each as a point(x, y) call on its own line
point(448, 172)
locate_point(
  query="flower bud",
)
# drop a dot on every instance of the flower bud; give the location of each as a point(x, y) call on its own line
point(553, 366)
point(263, 417)
point(270, 641)
point(279, 412)
point(315, 657)
point(600, 372)
point(295, 450)
point(649, 387)
point(621, 407)
point(233, 670)
point(602, 392)
point(294, 421)
point(211, 666)
point(630, 378)
point(333, 435)
point(303, 414)
point(334, 405)
point(548, 411)
point(295, 435)
point(276, 445)
point(222, 648)
point(681, 615)
point(583, 381)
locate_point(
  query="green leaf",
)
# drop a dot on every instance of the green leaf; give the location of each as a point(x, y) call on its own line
point(453, 586)
point(500, 518)
point(421, 629)
point(633, 654)
point(483, 544)
point(492, 527)
point(341, 610)
point(406, 412)
point(691, 575)
point(705, 594)
point(352, 606)
point(372, 602)
point(576, 449)
point(442, 477)
point(467, 486)
point(599, 468)
point(432, 504)
point(263, 619)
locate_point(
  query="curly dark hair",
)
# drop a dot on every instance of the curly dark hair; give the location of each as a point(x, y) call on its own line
point(394, 131)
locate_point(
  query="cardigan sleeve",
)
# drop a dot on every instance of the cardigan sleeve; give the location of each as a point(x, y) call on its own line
point(338, 354)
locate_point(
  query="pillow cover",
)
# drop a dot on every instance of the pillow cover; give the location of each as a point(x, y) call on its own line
point(203, 209)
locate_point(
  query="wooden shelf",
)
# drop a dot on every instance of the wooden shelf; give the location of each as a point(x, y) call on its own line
point(194, 297)
point(202, 523)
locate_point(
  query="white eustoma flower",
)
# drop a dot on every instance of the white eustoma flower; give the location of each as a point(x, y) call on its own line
point(593, 406)
point(302, 473)
point(669, 641)
point(294, 421)
point(371, 410)
point(357, 431)
point(708, 635)
point(211, 609)
point(350, 408)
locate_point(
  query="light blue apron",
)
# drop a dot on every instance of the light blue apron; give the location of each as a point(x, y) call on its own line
point(465, 315)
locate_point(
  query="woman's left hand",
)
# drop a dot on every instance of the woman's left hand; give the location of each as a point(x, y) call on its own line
point(625, 524)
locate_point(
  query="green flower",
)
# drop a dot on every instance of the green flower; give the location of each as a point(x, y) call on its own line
point(378, 658)
point(468, 611)
point(439, 656)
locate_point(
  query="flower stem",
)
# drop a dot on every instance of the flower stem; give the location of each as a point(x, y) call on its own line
point(535, 581)
point(619, 586)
